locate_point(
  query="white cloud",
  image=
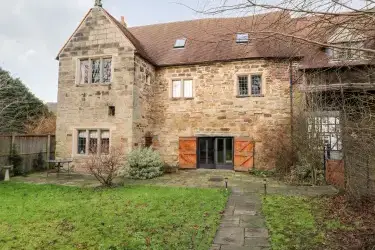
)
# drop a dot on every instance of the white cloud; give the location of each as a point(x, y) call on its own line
point(27, 55)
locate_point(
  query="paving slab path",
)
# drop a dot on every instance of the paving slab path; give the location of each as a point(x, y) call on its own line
point(243, 225)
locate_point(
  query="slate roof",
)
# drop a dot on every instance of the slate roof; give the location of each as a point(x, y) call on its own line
point(210, 40)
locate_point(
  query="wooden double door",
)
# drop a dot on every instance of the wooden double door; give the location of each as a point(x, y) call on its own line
point(216, 152)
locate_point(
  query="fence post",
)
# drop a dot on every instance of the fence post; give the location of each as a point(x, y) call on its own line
point(49, 148)
point(13, 139)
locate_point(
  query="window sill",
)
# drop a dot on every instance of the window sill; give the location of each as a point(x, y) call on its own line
point(86, 156)
point(182, 98)
point(94, 84)
point(246, 96)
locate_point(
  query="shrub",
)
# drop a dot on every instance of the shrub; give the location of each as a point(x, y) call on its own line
point(38, 163)
point(15, 159)
point(144, 164)
point(170, 169)
point(105, 168)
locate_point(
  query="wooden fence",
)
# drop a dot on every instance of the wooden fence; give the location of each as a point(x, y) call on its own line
point(30, 148)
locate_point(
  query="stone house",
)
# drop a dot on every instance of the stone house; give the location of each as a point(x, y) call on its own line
point(204, 93)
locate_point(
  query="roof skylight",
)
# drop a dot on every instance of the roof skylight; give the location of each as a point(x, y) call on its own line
point(180, 43)
point(242, 37)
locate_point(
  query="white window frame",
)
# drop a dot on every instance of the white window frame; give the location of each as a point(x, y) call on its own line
point(249, 84)
point(99, 138)
point(180, 43)
point(349, 54)
point(90, 59)
point(182, 88)
point(242, 38)
point(326, 126)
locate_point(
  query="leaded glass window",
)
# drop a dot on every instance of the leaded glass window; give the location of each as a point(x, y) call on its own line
point(93, 141)
point(256, 84)
point(325, 127)
point(107, 70)
point(104, 138)
point(82, 135)
point(95, 71)
point(84, 71)
point(243, 85)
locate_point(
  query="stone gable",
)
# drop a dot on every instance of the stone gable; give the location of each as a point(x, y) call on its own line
point(86, 106)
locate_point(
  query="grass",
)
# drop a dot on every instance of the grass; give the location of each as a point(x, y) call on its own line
point(295, 222)
point(139, 217)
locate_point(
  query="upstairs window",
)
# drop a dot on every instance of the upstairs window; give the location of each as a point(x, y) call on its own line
point(243, 85)
point(180, 43)
point(95, 71)
point(350, 52)
point(182, 89)
point(242, 38)
point(249, 85)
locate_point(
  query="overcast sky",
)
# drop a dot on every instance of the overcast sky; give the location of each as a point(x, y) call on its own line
point(33, 31)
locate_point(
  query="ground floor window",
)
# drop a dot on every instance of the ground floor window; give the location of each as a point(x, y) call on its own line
point(326, 126)
point(93, 141)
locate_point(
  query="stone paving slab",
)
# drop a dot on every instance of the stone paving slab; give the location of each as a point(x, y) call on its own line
point(229, 247)
point(256, 232)
point(257, 221)
point(230, 236)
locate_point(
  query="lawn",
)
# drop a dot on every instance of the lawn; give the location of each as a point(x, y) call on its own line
point(138, 217)
point(298, 222)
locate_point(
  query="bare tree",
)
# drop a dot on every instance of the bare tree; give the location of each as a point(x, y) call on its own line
point(105, 167)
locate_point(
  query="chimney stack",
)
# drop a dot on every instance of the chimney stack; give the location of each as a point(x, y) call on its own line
point(123, 21)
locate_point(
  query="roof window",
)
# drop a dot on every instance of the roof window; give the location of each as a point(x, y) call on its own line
point(242, 38)
point(180, 43)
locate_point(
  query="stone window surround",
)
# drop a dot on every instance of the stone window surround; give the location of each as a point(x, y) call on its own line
point(236, 88)
point(172, 79)
point(77, 61)
point(75, 139)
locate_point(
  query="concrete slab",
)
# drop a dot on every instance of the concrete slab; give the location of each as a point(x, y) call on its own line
point(256, 232)
point(230, 236)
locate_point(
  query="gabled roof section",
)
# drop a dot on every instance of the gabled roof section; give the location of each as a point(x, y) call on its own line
point(214, 39)
point(75, 31)
point(139, 49)
point(138, 46)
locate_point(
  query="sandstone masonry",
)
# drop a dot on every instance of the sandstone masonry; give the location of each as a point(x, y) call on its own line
point(142, 96)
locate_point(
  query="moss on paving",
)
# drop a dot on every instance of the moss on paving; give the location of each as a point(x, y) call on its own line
point(137, 217)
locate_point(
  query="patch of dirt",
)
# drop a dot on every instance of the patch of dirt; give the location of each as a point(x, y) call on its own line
point(358, 217)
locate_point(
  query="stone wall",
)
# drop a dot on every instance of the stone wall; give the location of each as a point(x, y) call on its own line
point(144, 78)
point(86, 106)
point(216, 109)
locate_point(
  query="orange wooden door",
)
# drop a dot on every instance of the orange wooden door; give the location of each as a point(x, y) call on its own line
point(188, 152)
point(243, 154)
